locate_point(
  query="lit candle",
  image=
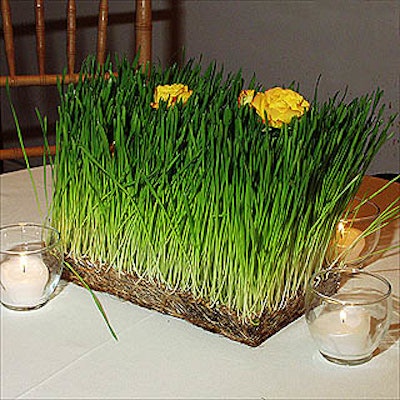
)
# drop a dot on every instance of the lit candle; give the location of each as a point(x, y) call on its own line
point(344, 244)
point(343, 332)
point(23, 279)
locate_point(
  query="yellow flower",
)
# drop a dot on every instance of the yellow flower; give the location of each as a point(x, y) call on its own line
point(245, 97)
point(171, 94)
point(260, 104)
point(280, 105)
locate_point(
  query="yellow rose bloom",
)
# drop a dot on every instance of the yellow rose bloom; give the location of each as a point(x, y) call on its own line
point(280, 105)
point(245, 97)
point(260, 104)
point(171, 94)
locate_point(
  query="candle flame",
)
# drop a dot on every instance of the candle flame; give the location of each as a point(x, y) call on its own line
point(23, 262)
point(341, 229)
point(343, 316)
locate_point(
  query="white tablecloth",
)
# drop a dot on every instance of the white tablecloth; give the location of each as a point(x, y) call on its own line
point(64, 350)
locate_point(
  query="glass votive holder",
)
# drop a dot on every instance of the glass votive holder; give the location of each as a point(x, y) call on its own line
point(350, 244)
point(348, 313)
point(31, 262)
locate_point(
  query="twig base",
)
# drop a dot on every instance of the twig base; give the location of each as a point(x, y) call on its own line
point(183, 305)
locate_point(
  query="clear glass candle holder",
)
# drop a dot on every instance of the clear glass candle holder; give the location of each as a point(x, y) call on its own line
point(31, 262)
point(348, 313)
point(349, 244)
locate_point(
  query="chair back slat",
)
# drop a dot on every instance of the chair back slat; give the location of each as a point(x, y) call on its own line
point(143, 33)
point(71, 36)
point(102, 31)
point(17, 153)
point(143, 29)
point(143, 40)
point(40, 36)
point(38, 80)
point(8, 36)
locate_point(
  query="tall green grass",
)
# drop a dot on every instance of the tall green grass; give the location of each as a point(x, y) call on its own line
point(204, 197)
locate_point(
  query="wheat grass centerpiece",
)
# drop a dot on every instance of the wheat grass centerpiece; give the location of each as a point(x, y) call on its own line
point(181, 190)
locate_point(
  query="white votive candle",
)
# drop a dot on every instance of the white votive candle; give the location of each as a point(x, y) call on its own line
point(348, 244)
point(343, 332)
point(23, 279)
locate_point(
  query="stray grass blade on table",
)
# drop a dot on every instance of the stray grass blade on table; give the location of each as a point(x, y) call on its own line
point(199, 193)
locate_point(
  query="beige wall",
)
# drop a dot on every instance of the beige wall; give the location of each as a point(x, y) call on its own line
point(348, 42)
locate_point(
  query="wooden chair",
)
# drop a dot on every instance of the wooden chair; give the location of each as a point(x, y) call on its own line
point(143, 28)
